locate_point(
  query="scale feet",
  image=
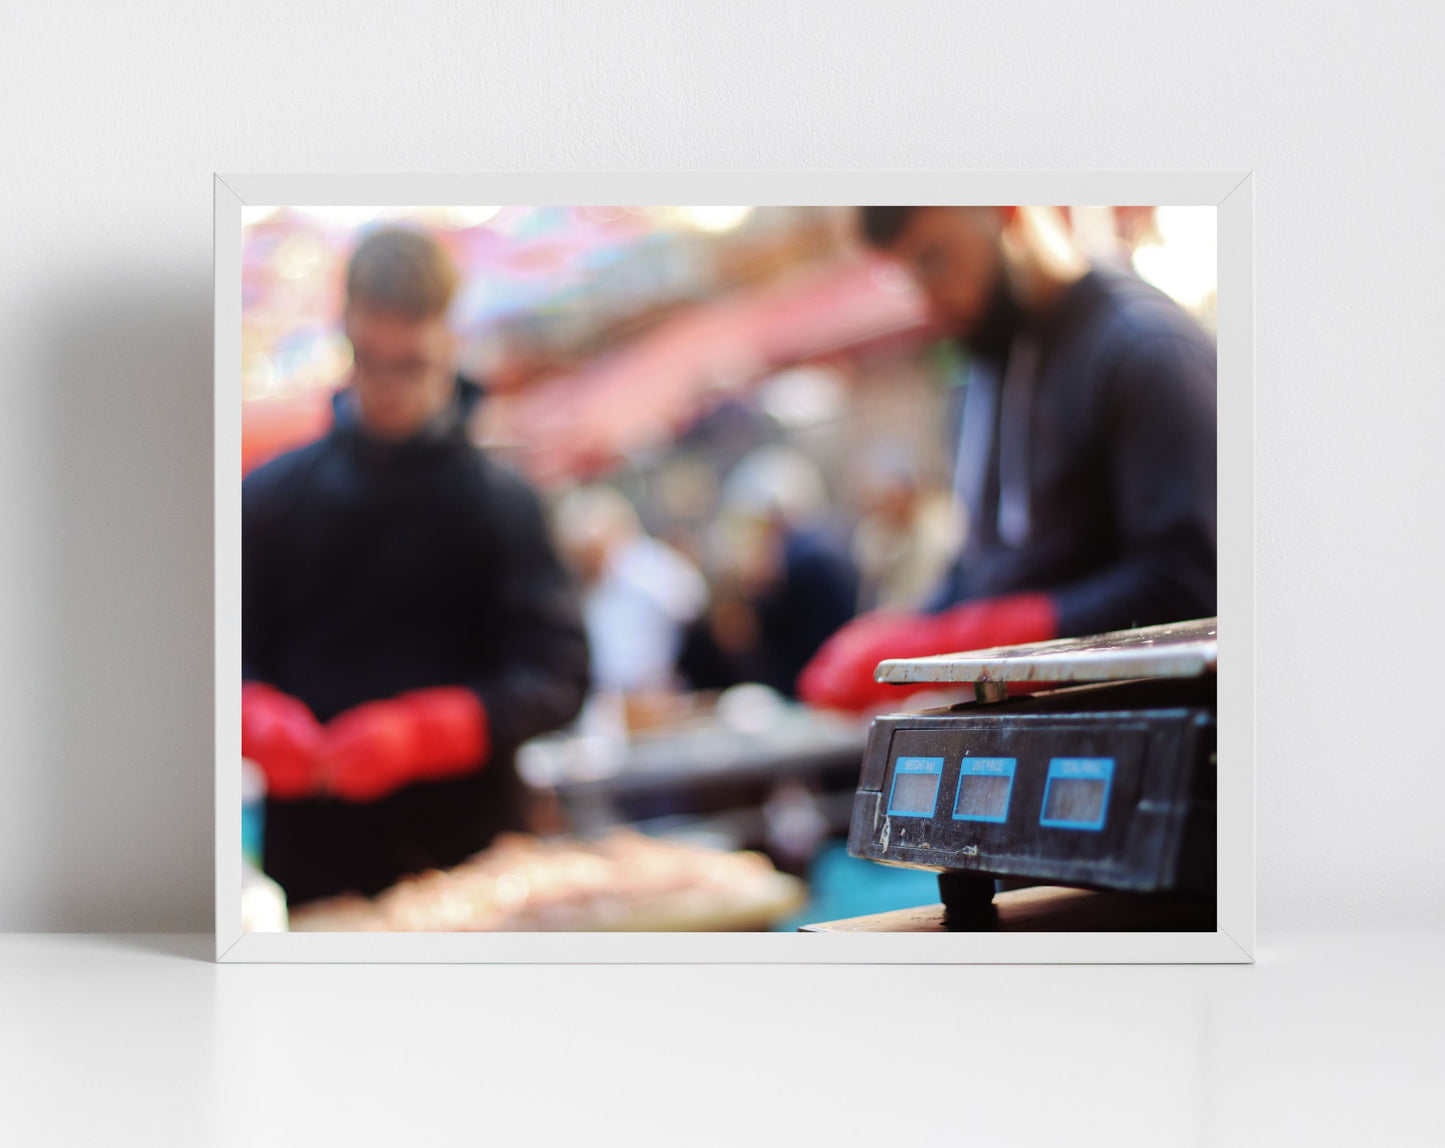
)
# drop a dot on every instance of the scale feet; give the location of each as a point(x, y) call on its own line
point(967, 900)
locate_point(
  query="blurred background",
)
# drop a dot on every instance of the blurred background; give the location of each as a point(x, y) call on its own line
point(743, 425)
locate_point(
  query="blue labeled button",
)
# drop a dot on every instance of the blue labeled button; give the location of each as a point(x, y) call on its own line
point(1076, 794)
point(984, 786)
point(915, 786)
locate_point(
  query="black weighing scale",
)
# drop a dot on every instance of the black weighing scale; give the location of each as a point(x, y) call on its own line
point(1107, 786)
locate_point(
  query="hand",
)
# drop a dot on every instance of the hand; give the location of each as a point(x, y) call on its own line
point(840, 675)
point(374, 749)
point(283, 737)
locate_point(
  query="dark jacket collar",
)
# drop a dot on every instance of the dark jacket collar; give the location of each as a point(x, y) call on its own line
point(1077, 301)
point(444, 435)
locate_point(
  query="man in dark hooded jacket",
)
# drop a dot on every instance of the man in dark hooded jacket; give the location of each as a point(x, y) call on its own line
point(406, 623)
point(1087, 461)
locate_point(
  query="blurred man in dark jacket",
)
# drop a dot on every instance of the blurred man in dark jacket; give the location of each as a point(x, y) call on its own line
point(784, 585)
point(405, 622)
point(1087, 460)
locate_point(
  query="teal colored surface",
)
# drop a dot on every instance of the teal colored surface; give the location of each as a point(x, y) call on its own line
point(253, 823)
point(843, 886)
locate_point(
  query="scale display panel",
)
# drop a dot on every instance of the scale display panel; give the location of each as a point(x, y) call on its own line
point(1108, 787)
point(984, 787)
point(1076, 793)
point(915, 787)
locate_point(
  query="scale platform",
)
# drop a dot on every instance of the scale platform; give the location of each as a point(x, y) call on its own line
point(1102, 777)
point(1177, 650)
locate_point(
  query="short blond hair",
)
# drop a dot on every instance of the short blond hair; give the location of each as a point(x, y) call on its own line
point(403, 270)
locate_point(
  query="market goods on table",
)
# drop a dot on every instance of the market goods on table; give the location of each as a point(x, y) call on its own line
point(623, 881)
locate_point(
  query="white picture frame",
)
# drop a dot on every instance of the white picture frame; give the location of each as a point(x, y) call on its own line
point(1230, 192)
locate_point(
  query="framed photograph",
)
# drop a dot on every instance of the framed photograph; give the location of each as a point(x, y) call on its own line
point(800, 581)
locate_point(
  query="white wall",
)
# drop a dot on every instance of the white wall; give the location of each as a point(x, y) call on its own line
point(112, 118)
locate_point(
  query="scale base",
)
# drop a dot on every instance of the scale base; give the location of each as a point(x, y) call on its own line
point(1043, 909)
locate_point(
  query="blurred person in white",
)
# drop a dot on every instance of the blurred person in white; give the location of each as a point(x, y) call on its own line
point(908, 533)
point(638, 593)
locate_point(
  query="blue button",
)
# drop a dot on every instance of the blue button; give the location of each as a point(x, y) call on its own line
point(915, 786)
point(1076, 793)
point(984, 787)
